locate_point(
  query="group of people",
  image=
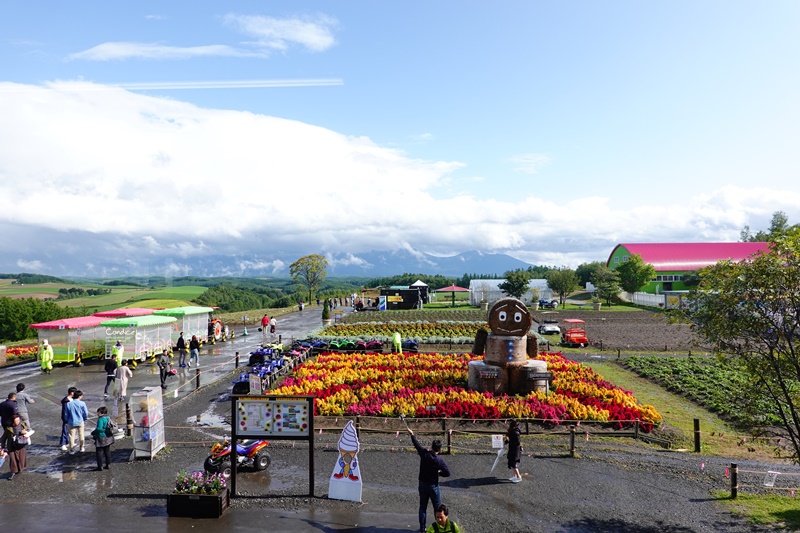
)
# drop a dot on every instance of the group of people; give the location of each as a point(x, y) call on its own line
point(432, 467)
point(17, 430)
point(194, 351)
point(269, 324)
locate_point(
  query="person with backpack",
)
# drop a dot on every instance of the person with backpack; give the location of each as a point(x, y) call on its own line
point(15, 438)
point(103, 438)
point(111, 375)
point(443, 524)
point(163, 368)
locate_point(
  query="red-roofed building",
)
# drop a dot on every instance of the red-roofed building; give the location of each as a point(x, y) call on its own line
point(673, 260)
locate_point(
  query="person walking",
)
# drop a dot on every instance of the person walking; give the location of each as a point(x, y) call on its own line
point(181, 346)
point(118, 352)
point(23, 399)
point(431, 466)
point(111, 375)
point(123, 374)
point(163, 368)
point(8, 409)
point(103, 435)
point(264, 325)
point(77, 415)
point(273, 326)
point(64, 440)
point(443, 524)
point(397, 342)
point(46, 356)
point(194, 351)
point(14, 441)
point(512, 438)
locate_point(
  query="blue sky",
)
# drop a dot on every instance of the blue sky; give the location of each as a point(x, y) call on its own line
point(550, 131)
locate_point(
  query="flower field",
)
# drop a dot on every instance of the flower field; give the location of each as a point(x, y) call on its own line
point(416, 315)
point(21, 352)
point(394, 384)
point(420, 331)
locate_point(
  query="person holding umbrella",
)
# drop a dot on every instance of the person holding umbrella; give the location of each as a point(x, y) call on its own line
point(512, 438)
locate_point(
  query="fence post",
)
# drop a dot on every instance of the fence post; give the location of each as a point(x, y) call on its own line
point(196, 378)
point(618, 352)
point(734, 480)
point(237, 360)
point(697, 435)
point(358, 426)
point(128, 420)
point(636, 430)
point(572, 441)
point(449, 442)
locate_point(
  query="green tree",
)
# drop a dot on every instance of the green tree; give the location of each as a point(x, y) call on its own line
point(635, 273)
point(516, 283)
point(326, 310)
point(586, 270)
point(750, 311)
point(310, 271)
point(606, 283)
point(779, 225)
point(562, 282)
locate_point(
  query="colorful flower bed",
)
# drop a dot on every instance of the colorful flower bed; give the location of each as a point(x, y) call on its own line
point(394, 384)
point(21, 352)
point(420, 331)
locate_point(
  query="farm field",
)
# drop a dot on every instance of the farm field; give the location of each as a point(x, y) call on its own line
point(119, 296)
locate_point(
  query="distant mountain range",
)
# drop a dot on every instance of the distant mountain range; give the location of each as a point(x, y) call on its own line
point(383, 264)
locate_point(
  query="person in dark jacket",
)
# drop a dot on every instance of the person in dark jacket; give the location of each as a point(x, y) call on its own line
point(163, 368)
point(194, 351)
point(8, 409)
point(111, 375)
point(181, 346)
point(431, 466)
point(514, 450)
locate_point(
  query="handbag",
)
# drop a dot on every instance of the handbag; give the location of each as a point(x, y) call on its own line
point(103, 441)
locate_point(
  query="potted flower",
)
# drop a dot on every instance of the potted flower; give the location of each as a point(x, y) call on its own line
point(535, 298)
point(596, 302)
point(199, 495)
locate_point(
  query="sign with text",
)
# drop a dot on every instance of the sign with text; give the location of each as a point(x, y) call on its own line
point(272, 416)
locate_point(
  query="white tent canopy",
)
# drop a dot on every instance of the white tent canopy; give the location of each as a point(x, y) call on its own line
point(489, 290)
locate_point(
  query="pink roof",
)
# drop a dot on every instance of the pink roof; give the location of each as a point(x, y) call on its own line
point(452, 288)
point(690, 255)
point(125, 312)
point(70, 323)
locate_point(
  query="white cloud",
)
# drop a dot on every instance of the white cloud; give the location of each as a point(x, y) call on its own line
point(422, 137)
point(313, 33)
point(35, 265)
point(529, 163)
point(155, 181)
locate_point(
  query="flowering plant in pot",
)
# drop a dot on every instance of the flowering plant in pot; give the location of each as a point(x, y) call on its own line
point(199, 483)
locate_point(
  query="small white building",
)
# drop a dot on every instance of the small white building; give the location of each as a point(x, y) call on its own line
point(489, 290)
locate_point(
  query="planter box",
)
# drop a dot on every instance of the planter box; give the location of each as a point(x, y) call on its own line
point(198, 505)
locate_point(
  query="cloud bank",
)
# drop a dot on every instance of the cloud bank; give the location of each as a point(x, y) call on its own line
point(97, 172)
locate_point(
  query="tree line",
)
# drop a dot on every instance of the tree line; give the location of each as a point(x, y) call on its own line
point(16, 315)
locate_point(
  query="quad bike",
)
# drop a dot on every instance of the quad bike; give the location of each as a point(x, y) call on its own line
point(252, 453)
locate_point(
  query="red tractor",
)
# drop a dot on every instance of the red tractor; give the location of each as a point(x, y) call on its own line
point(574, 333)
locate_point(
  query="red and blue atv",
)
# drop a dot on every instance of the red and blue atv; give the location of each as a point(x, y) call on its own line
point(251, 453)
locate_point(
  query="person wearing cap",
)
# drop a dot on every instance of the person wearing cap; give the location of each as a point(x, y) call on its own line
point(117, 351)
point(46, 357)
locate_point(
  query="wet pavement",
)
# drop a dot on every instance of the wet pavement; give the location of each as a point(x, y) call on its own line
point(217, 362)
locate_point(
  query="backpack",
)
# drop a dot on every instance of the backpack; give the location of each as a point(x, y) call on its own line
point(111, 428)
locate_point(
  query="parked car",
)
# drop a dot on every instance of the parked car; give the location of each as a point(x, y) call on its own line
point(549, 326)
point(548, 304)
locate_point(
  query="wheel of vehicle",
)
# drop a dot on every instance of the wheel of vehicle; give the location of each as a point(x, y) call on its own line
point(225, 469)
point(261, 461)
point(241, 387)
point(211, 466)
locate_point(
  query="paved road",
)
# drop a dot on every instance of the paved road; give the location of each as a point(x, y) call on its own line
point(216, 361)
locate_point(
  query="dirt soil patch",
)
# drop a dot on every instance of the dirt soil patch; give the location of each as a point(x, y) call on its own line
point(644, 331)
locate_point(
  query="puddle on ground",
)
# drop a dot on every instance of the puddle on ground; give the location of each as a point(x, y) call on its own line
point(207, 419)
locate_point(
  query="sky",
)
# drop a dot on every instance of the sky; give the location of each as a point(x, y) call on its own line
point(142, 132)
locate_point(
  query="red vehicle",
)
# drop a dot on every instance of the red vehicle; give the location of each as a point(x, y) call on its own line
point(251, 453)
point(574, 333)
